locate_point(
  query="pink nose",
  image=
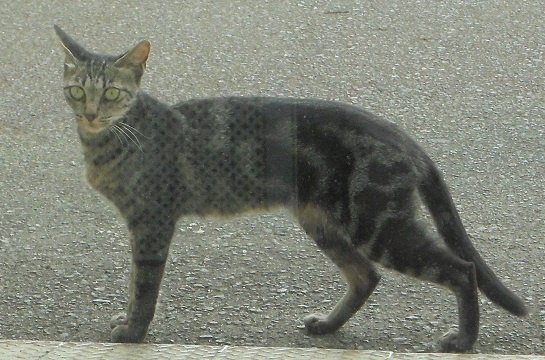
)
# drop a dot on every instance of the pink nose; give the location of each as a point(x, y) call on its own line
point(90, 117)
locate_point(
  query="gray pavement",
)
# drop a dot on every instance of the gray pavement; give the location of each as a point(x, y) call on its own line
point(465, 78)
point(50, 350)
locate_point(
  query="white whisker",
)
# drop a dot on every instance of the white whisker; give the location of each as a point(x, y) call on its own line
point(116, 132)
point(134, 139)
point(133, 128)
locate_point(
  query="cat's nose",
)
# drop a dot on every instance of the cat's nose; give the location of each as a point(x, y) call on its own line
point(90, 116)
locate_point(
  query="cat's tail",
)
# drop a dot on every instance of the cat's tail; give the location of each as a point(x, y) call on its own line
point(437, 198)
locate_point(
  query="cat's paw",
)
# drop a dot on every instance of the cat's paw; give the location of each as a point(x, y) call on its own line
point(125, 334)
point(119, 319)
point(454, 342)
point(122, 333)
point(318, 325)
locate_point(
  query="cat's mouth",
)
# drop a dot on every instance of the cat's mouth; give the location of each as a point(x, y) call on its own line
point(93, 127)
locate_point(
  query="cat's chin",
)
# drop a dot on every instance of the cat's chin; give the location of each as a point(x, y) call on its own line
point(90, 129)
point(91, 132)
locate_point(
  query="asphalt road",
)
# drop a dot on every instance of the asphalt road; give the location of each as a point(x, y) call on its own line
point(465, 78)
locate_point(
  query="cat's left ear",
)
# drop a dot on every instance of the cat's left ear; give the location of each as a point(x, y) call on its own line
point(135, 58)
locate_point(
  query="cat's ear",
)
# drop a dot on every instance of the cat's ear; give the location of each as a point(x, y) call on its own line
point(73, 51)
point(135, 58)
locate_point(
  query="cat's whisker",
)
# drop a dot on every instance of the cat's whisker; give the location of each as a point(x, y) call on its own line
point(129, 129)
point(115, 130)
point(129, 135)
point(135, 129)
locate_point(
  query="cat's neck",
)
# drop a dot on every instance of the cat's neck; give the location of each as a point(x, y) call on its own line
point(95, 140)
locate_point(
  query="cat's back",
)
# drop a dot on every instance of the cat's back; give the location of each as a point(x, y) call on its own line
point(274, 150)
point(295, 120)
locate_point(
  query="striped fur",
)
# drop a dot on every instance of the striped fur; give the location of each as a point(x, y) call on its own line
point(353, 181)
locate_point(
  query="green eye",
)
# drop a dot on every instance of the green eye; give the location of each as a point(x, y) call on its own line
point(76, 92)
point(111, 94)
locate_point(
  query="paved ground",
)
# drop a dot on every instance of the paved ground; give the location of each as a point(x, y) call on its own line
point(465, 78)
point(51, 350)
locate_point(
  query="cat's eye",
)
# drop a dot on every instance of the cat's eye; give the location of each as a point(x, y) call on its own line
point(111, 94)
point(76, 92)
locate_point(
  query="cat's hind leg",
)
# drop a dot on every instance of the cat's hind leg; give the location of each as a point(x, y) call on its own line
point(358, 271)
point(415, 252)
point(361, 279)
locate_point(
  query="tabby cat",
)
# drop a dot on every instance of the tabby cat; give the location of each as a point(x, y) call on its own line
point(353, 181)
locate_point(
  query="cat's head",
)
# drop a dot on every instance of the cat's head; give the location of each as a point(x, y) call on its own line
point(100, 88)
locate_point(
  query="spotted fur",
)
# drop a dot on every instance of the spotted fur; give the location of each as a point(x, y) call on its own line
point(353, 181)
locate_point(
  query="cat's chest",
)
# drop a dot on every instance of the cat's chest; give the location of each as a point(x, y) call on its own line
point(110, 174)
point(102, 179)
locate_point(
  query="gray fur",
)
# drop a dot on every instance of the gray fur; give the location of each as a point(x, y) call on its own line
point(352, 180)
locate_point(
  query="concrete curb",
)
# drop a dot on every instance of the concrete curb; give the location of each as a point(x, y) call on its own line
point(47, 350)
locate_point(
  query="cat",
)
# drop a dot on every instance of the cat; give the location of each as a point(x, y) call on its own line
point(352, 180)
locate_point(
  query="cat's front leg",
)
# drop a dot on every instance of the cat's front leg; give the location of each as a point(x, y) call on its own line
point(132, 326)
point(150, 240)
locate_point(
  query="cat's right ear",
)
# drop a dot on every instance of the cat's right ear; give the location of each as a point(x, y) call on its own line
point(73, 51)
